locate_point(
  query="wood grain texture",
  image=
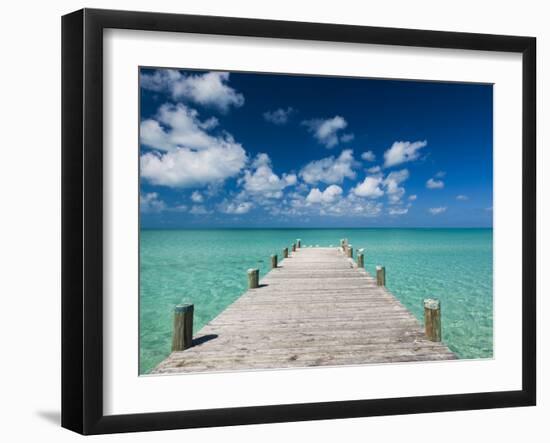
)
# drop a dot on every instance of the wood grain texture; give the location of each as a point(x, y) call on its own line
point(182, 335)
point(432, 319)
point(274, 261)
point(317, 308)
point(360, 260)
point(253, 278)
point(381, 276)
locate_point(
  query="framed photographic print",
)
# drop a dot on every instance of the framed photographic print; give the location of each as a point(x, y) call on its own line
point(269, 221)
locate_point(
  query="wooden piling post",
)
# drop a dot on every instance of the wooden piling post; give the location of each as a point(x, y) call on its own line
point(285, 253)
point(347, 246)
point(273, 261)
point(380, 276)
point(293, 247)
point(350, 251)
point(360, 260)
point(342, 243)
point(298, 243)
point(253, 278)
point(182, 336)
point(432, 319)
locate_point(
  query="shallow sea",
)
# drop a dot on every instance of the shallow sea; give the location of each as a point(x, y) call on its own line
point(208, 268)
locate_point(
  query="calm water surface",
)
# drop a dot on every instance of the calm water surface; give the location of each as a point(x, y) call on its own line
point(208, 268)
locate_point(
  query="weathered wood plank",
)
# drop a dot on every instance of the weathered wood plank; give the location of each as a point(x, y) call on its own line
point(316, 307)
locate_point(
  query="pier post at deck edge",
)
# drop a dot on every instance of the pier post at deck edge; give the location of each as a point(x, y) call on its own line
point(298, 243)
point(360, 260)
point(285, 253)
point(273, 261)
point(350, 251)
point(344, 244)
point(253, 278)
point(432, 319)
point(182, 337)
point(293, 247)
point(380, 276)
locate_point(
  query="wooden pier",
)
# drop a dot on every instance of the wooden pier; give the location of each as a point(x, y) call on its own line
point(314, 308)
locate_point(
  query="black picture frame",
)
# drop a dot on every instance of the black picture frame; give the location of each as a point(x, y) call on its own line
point(82, 218)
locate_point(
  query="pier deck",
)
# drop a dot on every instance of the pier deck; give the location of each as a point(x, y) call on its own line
point(316, 309)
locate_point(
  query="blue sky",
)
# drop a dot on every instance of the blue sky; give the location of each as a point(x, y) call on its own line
point(222, 149)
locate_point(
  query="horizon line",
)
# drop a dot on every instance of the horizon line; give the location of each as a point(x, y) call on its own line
point(312, 228)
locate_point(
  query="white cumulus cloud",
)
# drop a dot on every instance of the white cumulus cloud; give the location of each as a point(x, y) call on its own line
point(191, 156)
point(178, 208)
point(209, 89)
point(236, 208)
point(187, 168)
point(368, 156)
point(435, 184)
point(330, 170)
point(462, 197)
point(438, 210)
point(355, 207)
point(278, 116)
point(402, 152)
point(345, 138)
point(392, 182)
point(150, 203)
point(349, 206)
point(327, 131)
point(370, 188)
point(397, 211)
point(178, 126)
point(413, 197)
point(329, 195)
point(263, 181)
point(197, 197)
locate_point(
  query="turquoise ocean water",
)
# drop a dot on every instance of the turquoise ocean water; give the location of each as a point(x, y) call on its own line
point(208, 268)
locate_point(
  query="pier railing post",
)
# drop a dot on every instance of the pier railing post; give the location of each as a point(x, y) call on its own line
point(253, 278)
point(380, 276)
point(350, 251)
point(432, 319)
point(273, 261)
point(298, 243)
point(285, 253)
point(182, 336)
point(360, 260)
point(293, 247)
